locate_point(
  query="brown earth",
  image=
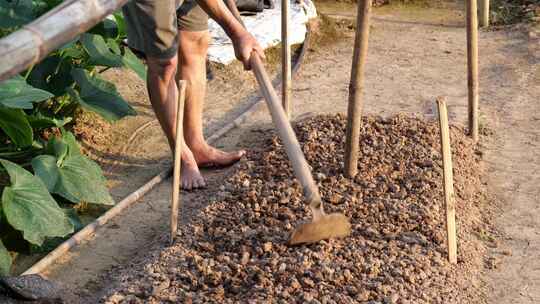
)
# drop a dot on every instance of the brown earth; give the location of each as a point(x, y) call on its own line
point(236, 250)
point(415, 55)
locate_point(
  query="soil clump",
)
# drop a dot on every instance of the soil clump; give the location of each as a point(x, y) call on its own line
point(236, 251)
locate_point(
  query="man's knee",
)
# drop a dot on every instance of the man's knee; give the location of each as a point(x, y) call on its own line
point(163, 67)
point(194, 43)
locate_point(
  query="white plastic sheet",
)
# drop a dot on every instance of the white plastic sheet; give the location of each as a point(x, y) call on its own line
point(266, 27)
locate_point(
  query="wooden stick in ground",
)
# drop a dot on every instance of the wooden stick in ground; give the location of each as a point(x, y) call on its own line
point(177, 159)
point(448, 181)
point(286, 58)
point(356, 88)
point(484, 13)
point(472, 67)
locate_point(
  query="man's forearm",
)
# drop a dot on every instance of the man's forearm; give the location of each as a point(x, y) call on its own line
point(218, 11)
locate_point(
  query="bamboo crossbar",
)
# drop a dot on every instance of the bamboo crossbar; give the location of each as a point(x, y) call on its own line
point(30, 44)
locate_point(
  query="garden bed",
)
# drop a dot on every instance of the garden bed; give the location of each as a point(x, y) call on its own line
point(236, 251)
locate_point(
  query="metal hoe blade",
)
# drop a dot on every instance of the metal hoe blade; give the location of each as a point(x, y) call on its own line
point(335, 225)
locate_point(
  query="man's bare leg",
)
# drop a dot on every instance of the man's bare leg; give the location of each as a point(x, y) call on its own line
point(193, 47)
point(163, 94)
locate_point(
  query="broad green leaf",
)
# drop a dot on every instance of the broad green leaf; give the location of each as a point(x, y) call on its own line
point(100, 96)
point(81, 180)
point(15, 13)
point(40, 121)
point(57, 148)
point(15, 124)
point(71, 141)
point(72, 49)
point(106, 28)
point(99, 51)
point(121, 24)
point(114, 46)
point(52, 75)
point(77, 179)
point(16, 93)
point(134, 63)
point(45, 167)
point(5, 260)
point(74, 218)
point(30, 208)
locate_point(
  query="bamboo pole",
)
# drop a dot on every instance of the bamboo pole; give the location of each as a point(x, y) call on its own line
point(472, 67)
point(484, 13)
point(90, 229)
point(286, 58)
point(356, 88)
point(448, 180)
point(34, 41)
point(177, 158)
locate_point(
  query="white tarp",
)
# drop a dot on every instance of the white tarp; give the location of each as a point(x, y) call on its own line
point(266, 27)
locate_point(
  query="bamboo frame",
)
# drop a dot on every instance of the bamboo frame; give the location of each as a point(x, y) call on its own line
point(34, 41)
point(483, 13)
point(356, 88)
point(175, 205)
point(472, 67)
point(286, 58)
point(448, 180)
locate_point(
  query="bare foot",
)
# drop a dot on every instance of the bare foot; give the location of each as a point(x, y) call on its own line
point(208, 156)
point(191, 177)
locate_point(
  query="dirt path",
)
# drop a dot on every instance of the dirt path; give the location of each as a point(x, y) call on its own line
point(415, 55)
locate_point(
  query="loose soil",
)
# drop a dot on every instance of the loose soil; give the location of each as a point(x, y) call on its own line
point(415, 55)
point(236, 251)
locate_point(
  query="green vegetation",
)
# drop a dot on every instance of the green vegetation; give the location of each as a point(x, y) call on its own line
point(514, 11)
point(43, 174)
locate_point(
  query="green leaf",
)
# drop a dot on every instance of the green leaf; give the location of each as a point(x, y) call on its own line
point(74, 218)
point(82, 180)
point(134, 63)
point(77, 179)
point(15, 13)
point(72, 49)
point(114, 46)
point(15, 124)
point(52, 75)
point(45, 167)
point(57, 148)
point(121, 24)
point(30, 208)
point(16, 93)
point(71, 141)
point(106, 28)
point(40, 121)
point(100, 96)
point(5, 260)
point(99, 51)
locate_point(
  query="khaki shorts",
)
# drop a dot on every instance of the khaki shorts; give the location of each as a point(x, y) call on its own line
point(152, 25)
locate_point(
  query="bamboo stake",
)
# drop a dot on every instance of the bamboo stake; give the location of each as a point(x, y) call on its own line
point(472, 67)
point(177, 158)
point(286, 58)
point(448, 180)
point(484, 13)
point(62, 24)
point(356, 88)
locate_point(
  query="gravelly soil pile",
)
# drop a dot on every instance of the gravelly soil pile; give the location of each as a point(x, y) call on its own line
point(236, 250)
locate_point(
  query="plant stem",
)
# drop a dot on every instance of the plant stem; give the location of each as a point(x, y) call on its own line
point(29, 71)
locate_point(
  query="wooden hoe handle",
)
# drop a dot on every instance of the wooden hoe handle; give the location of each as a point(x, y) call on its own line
point(286, 133)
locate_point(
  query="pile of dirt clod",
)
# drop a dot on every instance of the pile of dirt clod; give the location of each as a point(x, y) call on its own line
point(236, 252)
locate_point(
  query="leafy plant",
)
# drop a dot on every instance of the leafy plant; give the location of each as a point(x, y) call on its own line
point(43, 177)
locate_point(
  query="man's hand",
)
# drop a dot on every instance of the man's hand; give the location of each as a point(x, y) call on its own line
point(244, 45)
